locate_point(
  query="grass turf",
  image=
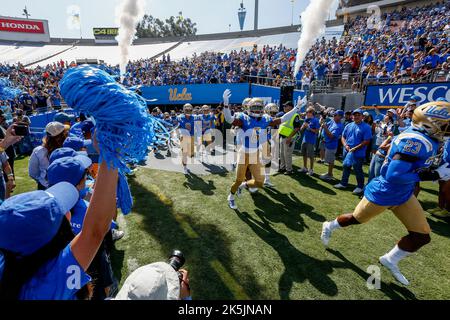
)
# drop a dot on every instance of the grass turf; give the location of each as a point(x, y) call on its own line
point(270, 247)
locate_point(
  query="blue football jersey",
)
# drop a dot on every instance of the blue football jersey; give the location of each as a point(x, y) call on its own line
point(411, 143)
point(207, 122)
point(255, 130)
point(187, 124)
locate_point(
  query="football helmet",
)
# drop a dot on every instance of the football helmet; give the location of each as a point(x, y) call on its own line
point(433, 118)
point(206, 109)
point(271, 109)
point(245, 103)
point(188, 108)
point(256, 108)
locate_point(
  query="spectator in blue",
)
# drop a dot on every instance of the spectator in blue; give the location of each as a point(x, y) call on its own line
point(310, 129)
point(55, 100)
point(27, 103)
point(40, 255)
point(333, 132)
point(76, 143)
point(432, 58)
point(76, 128)
point(356, 137)
point(320, 71)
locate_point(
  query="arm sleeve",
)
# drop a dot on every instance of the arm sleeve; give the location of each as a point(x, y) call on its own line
point(400, 172)
point(288, 116)
point(228, 117)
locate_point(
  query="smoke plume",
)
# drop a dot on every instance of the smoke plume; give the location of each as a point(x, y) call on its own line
point(313, 26)
point(128, 14)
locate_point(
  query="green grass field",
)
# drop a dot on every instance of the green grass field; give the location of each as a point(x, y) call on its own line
point(270, 248)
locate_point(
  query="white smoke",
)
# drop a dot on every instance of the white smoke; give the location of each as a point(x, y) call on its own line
point(128, 15)
point(313, 26)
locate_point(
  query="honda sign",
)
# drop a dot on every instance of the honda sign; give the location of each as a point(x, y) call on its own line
point(18, 29)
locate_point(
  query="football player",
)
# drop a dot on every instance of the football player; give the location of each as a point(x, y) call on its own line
point(186, 123)
point(255, 126)
point(207, 125)
point(408, 162)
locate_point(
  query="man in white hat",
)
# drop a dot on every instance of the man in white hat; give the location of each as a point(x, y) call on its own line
point(156, 281)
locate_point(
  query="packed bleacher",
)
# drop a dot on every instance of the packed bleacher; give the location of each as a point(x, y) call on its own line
point(409, 45)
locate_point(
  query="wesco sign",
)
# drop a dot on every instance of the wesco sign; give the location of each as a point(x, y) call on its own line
point(11, 25)
point(399, 95)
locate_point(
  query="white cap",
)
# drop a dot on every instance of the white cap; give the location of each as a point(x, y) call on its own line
point(156, 281)
point(54, 128)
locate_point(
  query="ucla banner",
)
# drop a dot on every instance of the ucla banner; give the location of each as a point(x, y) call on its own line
point(195, 94)
point(399, 95)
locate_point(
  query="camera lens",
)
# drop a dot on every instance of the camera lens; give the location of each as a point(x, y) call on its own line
point(176, 259)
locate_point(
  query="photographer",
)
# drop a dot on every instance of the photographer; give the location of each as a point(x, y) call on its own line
point(158, 281)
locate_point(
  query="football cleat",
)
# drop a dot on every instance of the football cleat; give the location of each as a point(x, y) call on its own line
point(231, 202)
point(326, 233)
point(393, 268)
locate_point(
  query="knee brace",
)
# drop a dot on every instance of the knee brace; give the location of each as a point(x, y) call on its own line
point(346, 220)
point(414, 241)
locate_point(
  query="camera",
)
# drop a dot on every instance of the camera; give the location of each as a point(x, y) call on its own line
point(176, 259)
point(21, 130)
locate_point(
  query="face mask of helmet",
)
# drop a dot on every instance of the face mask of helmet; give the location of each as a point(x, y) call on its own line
point(256, 111)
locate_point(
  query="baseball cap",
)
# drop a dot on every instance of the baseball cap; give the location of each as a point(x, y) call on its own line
point(338, 113)
point(63, 117)
point(64, 152)
point(392, 110)
point(29, 221)
point(357, 111)
point(76, 143)
point(55, 128)
point(156, 281)
point(288, 104)
point(68, 169)
point(366, 114)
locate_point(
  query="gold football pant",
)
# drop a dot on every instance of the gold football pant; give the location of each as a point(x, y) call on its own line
point(251, 162)
point(409, 213)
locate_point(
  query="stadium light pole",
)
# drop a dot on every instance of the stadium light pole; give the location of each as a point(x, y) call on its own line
point(256, 14)
point(292, 20)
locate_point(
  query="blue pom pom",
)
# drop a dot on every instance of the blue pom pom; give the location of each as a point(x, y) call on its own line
point(124, 127)
point(7, 90)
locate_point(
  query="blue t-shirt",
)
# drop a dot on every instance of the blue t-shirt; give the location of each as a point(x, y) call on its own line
point(355, 134)
point(78, 214)
point(410, 143)
point(254, 130)
point(76, 130)
point(309, 136)
point(58, 279)
point(336, 129)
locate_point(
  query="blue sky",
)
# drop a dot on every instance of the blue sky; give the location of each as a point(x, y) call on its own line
point(212, 16)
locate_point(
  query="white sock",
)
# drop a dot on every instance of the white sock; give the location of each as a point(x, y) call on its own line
point(230, 196)
point(334, 225)
point(397, 254)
